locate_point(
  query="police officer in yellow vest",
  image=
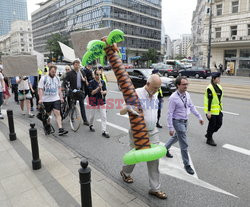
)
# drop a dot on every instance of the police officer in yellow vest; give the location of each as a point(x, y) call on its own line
point(160, 99)
point(103, 76)
point(213, 107)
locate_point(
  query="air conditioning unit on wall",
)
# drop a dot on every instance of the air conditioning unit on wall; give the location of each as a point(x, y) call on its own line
point(233, 37)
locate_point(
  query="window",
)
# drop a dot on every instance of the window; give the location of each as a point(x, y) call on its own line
point(218, 32)
point(248, 29)
point(235, 6)
point(219, 9)
point(233, 30)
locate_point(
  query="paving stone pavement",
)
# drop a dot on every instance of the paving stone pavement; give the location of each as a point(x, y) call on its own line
point(57, 182)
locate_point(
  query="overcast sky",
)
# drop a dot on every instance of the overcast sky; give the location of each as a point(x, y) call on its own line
point(176, 15)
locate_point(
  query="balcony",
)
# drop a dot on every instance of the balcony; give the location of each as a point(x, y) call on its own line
point(233, 41)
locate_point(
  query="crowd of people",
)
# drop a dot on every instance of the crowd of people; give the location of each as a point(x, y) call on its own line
point(47, 90)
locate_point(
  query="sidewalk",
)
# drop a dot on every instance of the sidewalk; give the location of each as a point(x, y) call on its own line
point(56, 184)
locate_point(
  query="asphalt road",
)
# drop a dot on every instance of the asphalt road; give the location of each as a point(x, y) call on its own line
point(222, 175)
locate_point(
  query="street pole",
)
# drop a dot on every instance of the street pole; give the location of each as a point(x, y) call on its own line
point(209, 36)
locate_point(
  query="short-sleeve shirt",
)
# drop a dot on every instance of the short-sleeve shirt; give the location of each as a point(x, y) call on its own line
point(97, 99)
point(50, 88)
point(23, 85)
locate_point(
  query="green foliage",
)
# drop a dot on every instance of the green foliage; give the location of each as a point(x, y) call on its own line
point(151, 56)
point(53, 45)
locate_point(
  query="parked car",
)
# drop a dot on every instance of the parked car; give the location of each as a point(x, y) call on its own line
point(139, 79)
point(167, 70)
point(195, 71)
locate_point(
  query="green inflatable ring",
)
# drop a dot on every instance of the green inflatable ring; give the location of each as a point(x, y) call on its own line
point(115, 36)
point(135, 156)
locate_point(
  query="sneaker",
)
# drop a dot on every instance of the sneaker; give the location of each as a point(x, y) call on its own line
point(91, 128)
point(1, 116)
point(31, 115)
point(189, 169)
point(105, 134)
point(62, 132)
point(169, 155)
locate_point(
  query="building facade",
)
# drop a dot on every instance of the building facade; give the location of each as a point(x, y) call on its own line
point(185, 40)
point(168, 47)
point(11, 11)
point(139, 19)
point(176, 48)
point(230, 38)
point(18, 40)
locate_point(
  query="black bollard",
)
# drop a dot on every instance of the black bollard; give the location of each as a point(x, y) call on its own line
point(12, 134)
point(36, 162)
point(85, 175)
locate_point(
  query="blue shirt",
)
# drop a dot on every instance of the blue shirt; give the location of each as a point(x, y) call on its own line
point(97, 99)
point(13, 81)
point(179, 107)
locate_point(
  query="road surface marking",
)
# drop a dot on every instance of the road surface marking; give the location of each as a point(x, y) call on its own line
point(116, 92)
point(237, 149)
point(115, 126)
point(174, 167)
point(226, 112)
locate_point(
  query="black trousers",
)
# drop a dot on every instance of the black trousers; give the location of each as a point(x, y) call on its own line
point(34, 95)
point(159, 109)
point(15, 91)
point(214, 124)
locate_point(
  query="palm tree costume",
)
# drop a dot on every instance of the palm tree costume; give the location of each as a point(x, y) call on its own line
point(144, 151)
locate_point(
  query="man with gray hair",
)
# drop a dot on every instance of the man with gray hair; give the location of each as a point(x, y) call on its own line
point(149, 105)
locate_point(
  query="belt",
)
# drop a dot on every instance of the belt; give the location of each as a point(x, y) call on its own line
point(181, 120)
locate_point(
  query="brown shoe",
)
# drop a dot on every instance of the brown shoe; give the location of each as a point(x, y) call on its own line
point(126, 179)
point(158, 194)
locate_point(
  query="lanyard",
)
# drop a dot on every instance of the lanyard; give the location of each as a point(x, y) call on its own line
point(184, 102)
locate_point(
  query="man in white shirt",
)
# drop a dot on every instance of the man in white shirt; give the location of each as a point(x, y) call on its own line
point(24, 94)
point(49, 90)
point(149, 103)
point(2, 88)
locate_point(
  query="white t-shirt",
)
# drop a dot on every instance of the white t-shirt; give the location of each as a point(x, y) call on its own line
point(23, 85)
point(50, 88)
point(149, 106)
point(1, 78)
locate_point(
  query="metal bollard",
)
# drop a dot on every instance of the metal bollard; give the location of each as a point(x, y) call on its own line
point(85, 176)
point(36, 162)
point(12, 134)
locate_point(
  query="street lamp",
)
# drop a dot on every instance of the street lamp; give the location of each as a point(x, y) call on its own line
point(209, 35)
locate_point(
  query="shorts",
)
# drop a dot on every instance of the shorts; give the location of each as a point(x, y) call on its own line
point(49, 106)
point(24, 94)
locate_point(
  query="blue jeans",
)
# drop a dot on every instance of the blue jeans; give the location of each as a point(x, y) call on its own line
point(180, 127)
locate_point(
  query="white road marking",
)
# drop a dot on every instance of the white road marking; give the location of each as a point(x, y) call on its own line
point(116, 92)
point(115, 126)
point(226, 112)
point(237, 149)
point(174, 167)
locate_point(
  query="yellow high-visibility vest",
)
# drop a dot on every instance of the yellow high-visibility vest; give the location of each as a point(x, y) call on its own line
point(40, 71)
point(216, 105)
point(160, 92)
point(104, 78)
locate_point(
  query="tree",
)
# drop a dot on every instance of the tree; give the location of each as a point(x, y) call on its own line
point(54, 47)
point(151, 56)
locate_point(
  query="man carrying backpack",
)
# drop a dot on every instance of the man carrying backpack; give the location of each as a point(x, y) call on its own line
point(51, 96)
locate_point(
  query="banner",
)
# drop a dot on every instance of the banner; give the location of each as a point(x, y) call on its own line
point(21, 65)
point(82, 38)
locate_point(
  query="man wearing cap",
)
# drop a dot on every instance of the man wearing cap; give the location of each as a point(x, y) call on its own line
point(213, 107)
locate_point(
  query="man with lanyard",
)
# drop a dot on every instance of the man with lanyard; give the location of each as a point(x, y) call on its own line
point(213, 107)
point(50, 96)
point(149, 102)
point(98, 91)
point(2, 89)
point(179, 107)
point(160, 98)
point(77, 80)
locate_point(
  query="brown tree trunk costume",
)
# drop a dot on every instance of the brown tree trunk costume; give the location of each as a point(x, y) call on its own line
point(138, 125)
